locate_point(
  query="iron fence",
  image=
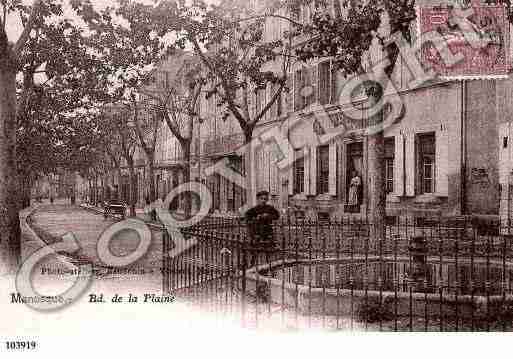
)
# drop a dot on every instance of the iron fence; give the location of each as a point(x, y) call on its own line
point(444, 275)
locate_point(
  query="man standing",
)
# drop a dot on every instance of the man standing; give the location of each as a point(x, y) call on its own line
point(260, 220)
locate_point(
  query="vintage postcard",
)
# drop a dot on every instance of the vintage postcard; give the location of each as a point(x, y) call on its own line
point(250, 178)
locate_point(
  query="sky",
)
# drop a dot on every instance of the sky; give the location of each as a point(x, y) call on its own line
point(14, 27)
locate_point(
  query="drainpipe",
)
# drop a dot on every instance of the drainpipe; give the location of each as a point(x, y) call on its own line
point(463, 149)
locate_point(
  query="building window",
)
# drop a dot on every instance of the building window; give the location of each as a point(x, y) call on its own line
point(389, 164)
point(426, 163)
point(299, 171)
point(323, 169)
point(313, 84)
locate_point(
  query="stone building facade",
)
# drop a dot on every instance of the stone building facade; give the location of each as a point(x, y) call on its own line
point(449, 154)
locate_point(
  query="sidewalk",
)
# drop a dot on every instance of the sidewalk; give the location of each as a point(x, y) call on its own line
point(55, 220)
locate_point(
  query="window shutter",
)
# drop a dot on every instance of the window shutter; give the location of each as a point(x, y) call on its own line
point(272, 112)
point(312, 98)
point(274, 174)
point(261, 169)
point(333, 84)
point(289, 95)
point(312, 160)
point(298, 85)
point(258, 170)
point(307, 166)
point(267, 169)
point(333, 169)
point(399, 165)
point(442, 163)
point(267, 97)
point(410, 164)
point(504, 153)
point(291, 176)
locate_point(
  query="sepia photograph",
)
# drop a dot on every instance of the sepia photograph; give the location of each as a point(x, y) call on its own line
point(291, 176)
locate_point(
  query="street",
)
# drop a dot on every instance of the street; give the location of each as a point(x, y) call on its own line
point(52, 221)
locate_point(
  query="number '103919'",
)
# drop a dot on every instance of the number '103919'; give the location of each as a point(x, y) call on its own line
point(21, 345)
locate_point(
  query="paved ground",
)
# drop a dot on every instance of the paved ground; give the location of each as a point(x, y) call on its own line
point(52, 221)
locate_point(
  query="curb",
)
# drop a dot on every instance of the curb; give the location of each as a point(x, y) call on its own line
point(60, 258)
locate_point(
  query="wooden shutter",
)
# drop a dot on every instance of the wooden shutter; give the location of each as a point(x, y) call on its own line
point(410, 164)
point(399, 165)
point(289, 94)
point(261, 168)
point(291, 175)
point(332, 181)
point(312, 98)
point(267, 169)
point(504, 152)
point(298, 85)
point(309, 176)
point(312, 166)
point(442, 163)
point(272, 112)
point(274, 174)
point(333, 84)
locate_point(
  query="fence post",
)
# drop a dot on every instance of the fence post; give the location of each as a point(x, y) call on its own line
point(243, 246)
point(165, 261)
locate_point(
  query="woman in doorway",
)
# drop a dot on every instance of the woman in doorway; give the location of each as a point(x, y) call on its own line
point(354, 191)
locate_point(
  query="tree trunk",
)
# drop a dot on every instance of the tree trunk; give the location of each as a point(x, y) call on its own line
point(376, 183)
point(26, 184)
point(90, 200)
point(249, 163)
point(150, 180)
point(96, 190)
point(120, 180)
point(186, 149)
point(105, 182)
point(10, 233)
point(132, 176)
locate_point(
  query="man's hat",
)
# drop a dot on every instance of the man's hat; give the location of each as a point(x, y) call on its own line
point(262, 193)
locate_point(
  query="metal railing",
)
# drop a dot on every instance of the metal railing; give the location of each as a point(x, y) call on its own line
point(454, 275)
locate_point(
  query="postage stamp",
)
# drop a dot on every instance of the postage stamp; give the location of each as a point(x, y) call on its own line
point(476, 32)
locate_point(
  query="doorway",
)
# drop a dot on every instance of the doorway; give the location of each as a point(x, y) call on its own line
point(354, 168)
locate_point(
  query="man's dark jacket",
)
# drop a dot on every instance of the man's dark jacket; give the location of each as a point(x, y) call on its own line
point(261, 227)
